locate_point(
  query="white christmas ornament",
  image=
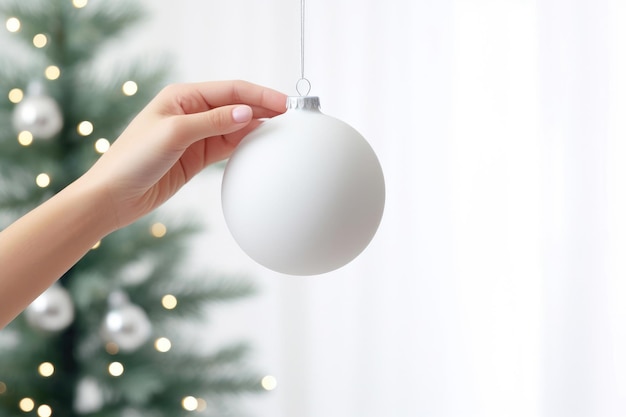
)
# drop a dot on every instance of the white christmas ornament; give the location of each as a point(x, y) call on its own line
point(52, 311)
point(126, 324)
point(38, 113)
point(89, 397)
point(304, 193)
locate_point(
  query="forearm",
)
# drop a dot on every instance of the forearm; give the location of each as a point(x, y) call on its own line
point(40, 247)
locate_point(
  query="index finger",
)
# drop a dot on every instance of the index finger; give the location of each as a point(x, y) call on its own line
point(223, 93)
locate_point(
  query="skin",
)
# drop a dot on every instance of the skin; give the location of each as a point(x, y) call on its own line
point(182, 130)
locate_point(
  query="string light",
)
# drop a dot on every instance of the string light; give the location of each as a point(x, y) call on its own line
point(269, 383)
point(25, 138)
point(162, 344)
point(102, 145)
point(112, 348)
point(116, 369)
point(13, 24)
point(16, 95)
point(52, 72)
point(169, 302)
point(158, 230)
point(44, 410)
point(43, 180)
point(79, 4)
point(190, 403)
point(130, 88)
point(27, 404)
point(40, 40)
point(46, 369)
point(85, 128)
point(201, 404)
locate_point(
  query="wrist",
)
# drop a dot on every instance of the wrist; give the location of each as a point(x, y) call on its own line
point(91, 207)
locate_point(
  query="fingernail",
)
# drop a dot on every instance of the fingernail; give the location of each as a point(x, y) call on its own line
point(242, 114)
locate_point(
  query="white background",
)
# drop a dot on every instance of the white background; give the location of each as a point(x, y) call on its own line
point(496, 285)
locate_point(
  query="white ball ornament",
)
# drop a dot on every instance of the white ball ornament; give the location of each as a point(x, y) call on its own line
point(304, 193)
point(126, 324)
point(38, 113)
point(52, 311)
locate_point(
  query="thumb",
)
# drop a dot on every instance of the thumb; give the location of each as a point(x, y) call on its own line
point(214, 122)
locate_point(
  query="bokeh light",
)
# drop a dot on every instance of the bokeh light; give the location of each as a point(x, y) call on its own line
point(169, 302)
point(40, 40)
point(52, 72)
point(13, 24)
point(269, 383)
point(190, 403)
point(130, 88)
point(46, 369)
point(27, 404)
point(44, 410)
point(16, 95)
point(79, 4)
point(85, 128)
point(25, 138)
point(162, 344)
point(43, 180)
point(116, 369)
point(102, 145)
point(158, 230)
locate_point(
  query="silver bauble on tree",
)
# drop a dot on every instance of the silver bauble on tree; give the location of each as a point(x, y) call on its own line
point(125, 324)
point(38, 113)
point(52, 311)
point(89, 397)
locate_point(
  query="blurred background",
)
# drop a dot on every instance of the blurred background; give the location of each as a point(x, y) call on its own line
point(496, 285)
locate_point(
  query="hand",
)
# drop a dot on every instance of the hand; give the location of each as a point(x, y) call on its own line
point(182, 130)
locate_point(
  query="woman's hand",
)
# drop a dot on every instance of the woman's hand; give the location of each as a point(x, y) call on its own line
point(185, 128)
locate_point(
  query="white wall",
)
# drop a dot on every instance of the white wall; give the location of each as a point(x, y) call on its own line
point(496, 284)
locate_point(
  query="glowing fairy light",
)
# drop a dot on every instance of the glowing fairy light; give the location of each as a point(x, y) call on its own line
point(112, 348)
point(25, 138)
point(43, 180)
point(44, 410)
point(169, 302)
point(163, 344)
point(116, 369)
point(158, 230)
point(52, 72)
point(190, 403)
point(16, 95)
point(13, 24)
point(269, 383)
point(27, 404)
point(46, 369)
point(85, 128)
point(130, 88)
point(102, 145)
point(40, 40)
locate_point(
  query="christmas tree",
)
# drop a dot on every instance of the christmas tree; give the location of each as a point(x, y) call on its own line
point(106, 340)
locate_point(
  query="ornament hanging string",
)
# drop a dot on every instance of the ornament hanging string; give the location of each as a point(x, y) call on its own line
point(302, 84)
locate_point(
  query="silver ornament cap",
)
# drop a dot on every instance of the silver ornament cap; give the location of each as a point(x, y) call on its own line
point(303, 103)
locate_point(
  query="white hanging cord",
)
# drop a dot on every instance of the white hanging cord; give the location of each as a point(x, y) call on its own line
point(302, 83)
